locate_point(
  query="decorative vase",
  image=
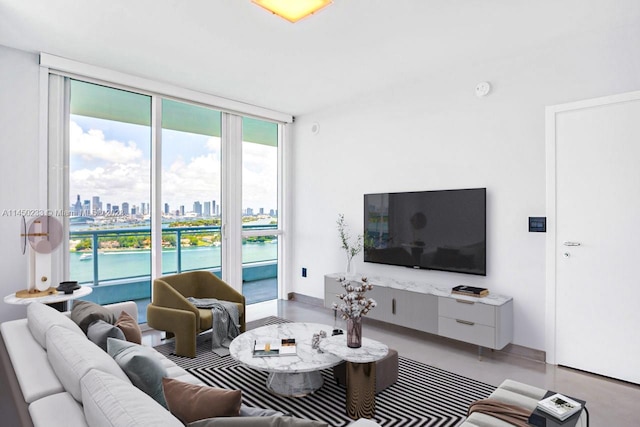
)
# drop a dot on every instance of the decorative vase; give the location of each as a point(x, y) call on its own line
point(354, 332)
point(350, 268)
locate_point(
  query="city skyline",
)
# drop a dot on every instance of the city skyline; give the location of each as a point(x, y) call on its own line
point(112, 159)
point(94, 207)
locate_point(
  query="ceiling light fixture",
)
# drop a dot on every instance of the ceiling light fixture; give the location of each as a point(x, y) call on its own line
point(293, 10)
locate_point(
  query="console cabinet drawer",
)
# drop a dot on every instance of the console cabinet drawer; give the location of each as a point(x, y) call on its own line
point(463, 330)
point(475, 312)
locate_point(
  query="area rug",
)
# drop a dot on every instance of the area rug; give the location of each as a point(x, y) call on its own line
point(423, 396)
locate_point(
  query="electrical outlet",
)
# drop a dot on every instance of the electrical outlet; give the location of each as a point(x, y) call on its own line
point(304, 272)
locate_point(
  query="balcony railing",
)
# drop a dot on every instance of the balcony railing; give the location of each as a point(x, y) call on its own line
point(181, 247)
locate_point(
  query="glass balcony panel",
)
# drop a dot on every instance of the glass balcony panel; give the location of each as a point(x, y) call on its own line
point(260, 268)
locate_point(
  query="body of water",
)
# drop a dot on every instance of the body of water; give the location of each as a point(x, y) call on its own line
point(134, 263)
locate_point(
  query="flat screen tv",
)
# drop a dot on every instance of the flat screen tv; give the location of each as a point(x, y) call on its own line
point(434, 230)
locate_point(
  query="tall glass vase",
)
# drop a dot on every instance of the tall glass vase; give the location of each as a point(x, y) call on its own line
point(354, 332)
point(351, 271)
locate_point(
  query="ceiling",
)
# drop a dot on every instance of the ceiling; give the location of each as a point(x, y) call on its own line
point(234, 49)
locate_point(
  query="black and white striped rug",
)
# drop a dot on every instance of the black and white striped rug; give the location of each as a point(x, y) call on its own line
point(423, 396)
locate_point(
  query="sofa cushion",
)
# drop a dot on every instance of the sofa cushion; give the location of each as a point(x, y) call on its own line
point(258, 422)
point(41, 317)
point(85, 313)
point(190, 402)
point(111, 402)
point(100, 330)
point(129, 327)
point(57, 410)
point(141, 366)
point(25, 354)
point(72, 355)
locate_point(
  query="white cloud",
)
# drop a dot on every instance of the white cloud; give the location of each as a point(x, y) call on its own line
point(92, 145)
point(119, 172)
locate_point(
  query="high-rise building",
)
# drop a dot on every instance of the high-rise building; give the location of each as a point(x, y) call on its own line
point(125, 208)
point(214, 208)
point(86, 207)
point(166, 208)
point(134, 210)
point(207, 209)
point(115, 209)
point(197, 208)
point(77, 208)
point(108, 207)
point(181, 210)
point(261, 211)
point(272, 212)
point(97, 205)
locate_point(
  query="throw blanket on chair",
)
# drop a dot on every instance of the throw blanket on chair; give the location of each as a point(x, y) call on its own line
point(512, 414)
point(225, 325)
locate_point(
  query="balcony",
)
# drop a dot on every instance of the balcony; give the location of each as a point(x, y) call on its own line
point(117, 262)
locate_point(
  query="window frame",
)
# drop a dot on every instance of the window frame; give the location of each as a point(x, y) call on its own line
point(54, 140)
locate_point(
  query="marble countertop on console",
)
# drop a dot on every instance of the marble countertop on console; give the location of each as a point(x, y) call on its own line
point(426, 288)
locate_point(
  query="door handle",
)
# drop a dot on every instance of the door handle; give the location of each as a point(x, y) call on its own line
point(571, 243)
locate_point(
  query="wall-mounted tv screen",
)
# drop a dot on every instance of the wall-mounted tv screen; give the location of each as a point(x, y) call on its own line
point(435, 230)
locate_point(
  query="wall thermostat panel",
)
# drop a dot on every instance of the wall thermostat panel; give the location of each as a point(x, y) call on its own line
point(538, 224)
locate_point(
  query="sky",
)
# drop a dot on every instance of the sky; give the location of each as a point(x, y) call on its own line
point(112, 160)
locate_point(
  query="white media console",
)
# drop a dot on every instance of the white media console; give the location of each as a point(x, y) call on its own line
point(485, 322)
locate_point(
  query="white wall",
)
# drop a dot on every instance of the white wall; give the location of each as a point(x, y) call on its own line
point(19, 103)
point(435, 134)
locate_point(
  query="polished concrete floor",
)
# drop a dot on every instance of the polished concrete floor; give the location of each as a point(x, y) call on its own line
point(610, 403)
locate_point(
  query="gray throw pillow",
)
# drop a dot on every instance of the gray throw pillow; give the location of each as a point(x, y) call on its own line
point(141, 365)
point(100, 330)
point(85, 313)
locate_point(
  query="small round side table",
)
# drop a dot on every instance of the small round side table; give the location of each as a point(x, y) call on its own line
point(58, 301)
point(361, 372)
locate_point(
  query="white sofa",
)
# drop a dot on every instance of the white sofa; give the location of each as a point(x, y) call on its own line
point(56, 377)
point(513, 393)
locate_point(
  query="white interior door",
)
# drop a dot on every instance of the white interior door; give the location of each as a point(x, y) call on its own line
point(597, 239)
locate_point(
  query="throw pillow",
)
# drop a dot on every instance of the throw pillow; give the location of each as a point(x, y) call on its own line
point(191, 402)
point(85, 313)
point(72, 355)
point(129, 327)
point(141, 365)
point(108, 401)
point(273, 421)
point(41, 317)
point(100, 330)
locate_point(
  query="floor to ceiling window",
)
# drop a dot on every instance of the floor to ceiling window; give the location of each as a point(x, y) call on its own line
point(113, 159)
point(259, 209)
point(109, 190)
point(191, 188)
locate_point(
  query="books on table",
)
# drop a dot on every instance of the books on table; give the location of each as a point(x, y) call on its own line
point(267, 348)
point(470, 291)
point(559, 406)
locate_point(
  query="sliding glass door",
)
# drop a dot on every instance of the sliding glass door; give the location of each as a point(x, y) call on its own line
point(125, 182)
point(260, 231)
point(191, 188)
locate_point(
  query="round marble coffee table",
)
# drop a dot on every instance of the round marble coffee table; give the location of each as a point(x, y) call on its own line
point(292, 376)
